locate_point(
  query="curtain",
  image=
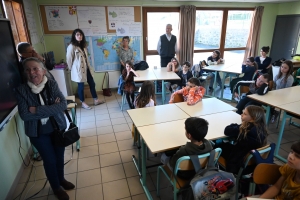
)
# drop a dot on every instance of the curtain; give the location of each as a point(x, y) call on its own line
point(187, 20)
point(253, 40)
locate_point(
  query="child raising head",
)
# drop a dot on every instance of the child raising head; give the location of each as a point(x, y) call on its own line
point(192, 93)
point(284, 77)
point(184, 75)
point(250, 134)
point(146, 98)
point(288, 185)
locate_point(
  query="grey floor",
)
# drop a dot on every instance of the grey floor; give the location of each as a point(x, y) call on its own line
point(103, 168)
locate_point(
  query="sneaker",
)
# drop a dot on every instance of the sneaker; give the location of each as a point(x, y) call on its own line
point(85, 106)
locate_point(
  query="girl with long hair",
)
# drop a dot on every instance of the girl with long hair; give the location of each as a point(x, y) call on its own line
point(146, 98)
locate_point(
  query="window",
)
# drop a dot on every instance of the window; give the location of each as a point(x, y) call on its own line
point(226, 30)
point(15, 13)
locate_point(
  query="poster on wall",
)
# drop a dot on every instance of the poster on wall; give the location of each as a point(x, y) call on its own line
point(129, 29)
point(61, 18)
point(31, 22)
point(118, 15)
point(92, 20)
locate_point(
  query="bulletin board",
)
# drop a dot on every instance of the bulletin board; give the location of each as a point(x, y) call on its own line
point(74, 21)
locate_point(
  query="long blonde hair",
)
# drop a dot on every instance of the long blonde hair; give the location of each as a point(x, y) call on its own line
point(257, 114)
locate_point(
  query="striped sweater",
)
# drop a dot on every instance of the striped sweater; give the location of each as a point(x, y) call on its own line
point(27, 99)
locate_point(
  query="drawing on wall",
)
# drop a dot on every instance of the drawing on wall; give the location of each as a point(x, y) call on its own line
point(61, 18)
point(129, 29)
point(118, 15)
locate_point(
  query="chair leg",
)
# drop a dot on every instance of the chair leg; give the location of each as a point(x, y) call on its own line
point(158, 181)
point(123, 101)
point(278, 119)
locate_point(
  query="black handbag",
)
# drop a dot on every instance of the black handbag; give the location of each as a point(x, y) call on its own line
point(65, 138)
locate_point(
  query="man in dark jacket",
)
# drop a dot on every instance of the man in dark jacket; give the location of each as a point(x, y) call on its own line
point(167, 46)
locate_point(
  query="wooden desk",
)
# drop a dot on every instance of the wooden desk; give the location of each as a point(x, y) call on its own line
point(156, 114)
point(145, 75)
point(170, 135)
point(293, 108)
point(163, 75)
point(205, 107)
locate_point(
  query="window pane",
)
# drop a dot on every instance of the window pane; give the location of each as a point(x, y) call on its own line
point(238, 27)
point(236, 56)
point(156, 22)
point(153, 60)
point(208, 29)
point(201, 56)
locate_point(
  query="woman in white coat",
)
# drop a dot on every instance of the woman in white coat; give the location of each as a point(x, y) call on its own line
point(79, 65)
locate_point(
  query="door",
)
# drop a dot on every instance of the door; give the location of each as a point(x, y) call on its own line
point(285, 37)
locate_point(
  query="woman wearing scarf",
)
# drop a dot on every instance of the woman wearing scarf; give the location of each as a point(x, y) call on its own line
point(38, 99)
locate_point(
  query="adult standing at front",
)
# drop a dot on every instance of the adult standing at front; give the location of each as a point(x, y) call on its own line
point(263, 61)
point(167, 46)
point(125, 52)
point(38, 100)
point(78, 63)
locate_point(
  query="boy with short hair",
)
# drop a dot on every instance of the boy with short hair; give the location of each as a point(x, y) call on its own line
point(192, 93)
point(288, 185)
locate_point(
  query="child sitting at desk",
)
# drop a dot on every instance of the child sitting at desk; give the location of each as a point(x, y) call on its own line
point(192, 93)
point(215, 58)
point(129, 87)
point(146, 98)
point(185, 74)
point(288, 185)
point(195, 130)
point(250, 134)
point(259, 86)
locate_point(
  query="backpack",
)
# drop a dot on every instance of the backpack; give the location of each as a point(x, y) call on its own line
point(210, 183)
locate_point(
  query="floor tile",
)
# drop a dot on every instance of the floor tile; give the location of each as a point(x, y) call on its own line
point(88, 151)
point(110, 159)
point(88, 141)
point(91, 192)
point(128, 119)
point(130, 169)
point(71, 194)
point(71, 167)
point(38, 173)
point(105, 138)
point(116, 115)
point(125, 144)
point(115, 121)
point(112, 173)
point(102, 117)
point(108, 148)
point(101, 111)
point(32, 188)
point(88, 163)
point(109, 189)
point(88, 132)
point(87, 113)
point(114, 110)
point(88, 119)
point(101, 123)
point(124, 135)
point(126, 156)
point(87, 125)
point(88, 178)
point(135, 186)
point(105, 130)
point(121, 127)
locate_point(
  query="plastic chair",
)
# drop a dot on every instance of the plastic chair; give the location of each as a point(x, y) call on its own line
point(266, 174)
point(178, 98)
point(266, 152)
point(183, 163)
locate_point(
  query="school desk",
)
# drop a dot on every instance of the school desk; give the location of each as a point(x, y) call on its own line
point(170, 135)
point(217, 68)
point(145, 75)
point(156, 114)
point(277, 97)
point(163, 75)
point(205, 107)
point(293, 108)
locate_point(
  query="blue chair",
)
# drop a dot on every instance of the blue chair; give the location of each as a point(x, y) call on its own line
point(183, 163)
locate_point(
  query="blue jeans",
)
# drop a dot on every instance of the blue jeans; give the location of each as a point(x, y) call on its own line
point(92, 85)
point(53, 158)
point(219, 81)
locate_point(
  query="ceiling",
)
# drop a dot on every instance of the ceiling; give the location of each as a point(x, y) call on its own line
point(233, 1)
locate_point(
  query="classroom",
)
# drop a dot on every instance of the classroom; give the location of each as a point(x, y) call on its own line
point(103, 166)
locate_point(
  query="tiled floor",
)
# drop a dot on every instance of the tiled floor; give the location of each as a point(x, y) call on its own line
point(103, 168)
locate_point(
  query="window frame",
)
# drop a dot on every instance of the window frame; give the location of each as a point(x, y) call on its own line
point(222, 48)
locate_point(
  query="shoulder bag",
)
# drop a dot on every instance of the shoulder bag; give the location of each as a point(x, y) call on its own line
point(106, 91)
point(64, 138)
